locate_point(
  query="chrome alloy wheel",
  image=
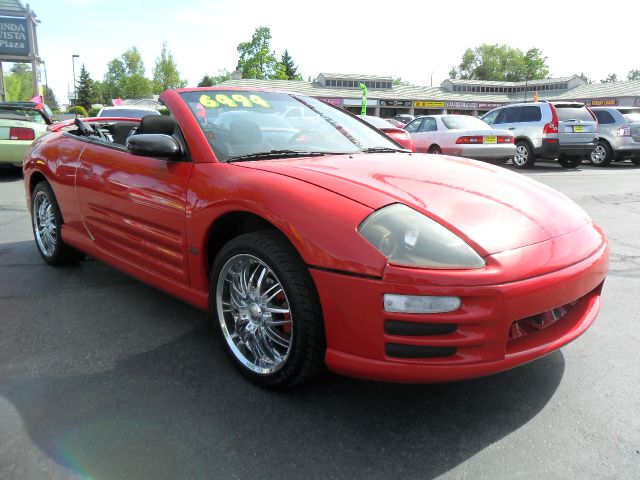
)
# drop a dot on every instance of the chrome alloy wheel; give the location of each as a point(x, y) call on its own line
point(598, 155)
point(254, 314)
point(521, 156)
point(44, 224)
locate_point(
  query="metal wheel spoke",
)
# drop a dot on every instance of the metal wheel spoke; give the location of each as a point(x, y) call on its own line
point(276, 310)
point(274, 294)
point(275, 337)
point(275, 323)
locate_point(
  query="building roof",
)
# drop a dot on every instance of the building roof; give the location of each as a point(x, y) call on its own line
point(414, 92)
point(356, 76)
point(397, 92)
point(12, 7)
point(543, 81)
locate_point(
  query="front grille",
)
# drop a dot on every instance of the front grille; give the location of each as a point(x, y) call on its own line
point(412, 329)
point(417, 351)
point(526, 326)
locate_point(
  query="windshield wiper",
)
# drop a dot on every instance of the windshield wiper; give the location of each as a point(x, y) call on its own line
point(384, 150)
point(278, 154)
point(283, 154)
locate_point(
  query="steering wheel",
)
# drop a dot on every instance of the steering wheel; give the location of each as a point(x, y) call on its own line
point(83, 128)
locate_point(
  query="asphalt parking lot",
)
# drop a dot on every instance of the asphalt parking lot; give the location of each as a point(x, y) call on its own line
point(102, 377)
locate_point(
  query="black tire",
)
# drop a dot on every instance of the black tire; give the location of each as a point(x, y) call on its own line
point(435, 150)
point(524, 157)
point(569, 162)
point(636, 160)
point(305, 357)
point(602, 155)
point(59, 253)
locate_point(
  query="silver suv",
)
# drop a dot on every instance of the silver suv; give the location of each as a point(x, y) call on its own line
point(563, 130)
point(619, 135)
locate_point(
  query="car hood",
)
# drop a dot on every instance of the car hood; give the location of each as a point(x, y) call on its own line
point(492, 208)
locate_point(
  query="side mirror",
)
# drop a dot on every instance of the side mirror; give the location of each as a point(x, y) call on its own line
point(154, 145)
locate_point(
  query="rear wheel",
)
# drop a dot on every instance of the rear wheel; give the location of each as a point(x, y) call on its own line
point(524, 157)
point(268, 310)
point(435, 150)
point(569, 162)
point(46, 221)
point(602, 155)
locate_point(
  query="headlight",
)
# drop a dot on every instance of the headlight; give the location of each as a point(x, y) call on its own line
point(406, 237)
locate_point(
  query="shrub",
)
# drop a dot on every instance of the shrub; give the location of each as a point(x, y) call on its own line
point(93, 112)
point(79, 110)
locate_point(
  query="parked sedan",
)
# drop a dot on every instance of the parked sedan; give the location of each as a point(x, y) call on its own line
point(619, 135)
point(339, 250)
point(461, 136)
point(398, 134)
point(20, 124)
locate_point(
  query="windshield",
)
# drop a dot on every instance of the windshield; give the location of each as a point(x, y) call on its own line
point(126, 112)
point(245, 123)
point(464, 122)
point(23, 115)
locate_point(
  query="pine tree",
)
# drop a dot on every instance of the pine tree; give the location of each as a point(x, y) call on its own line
point(290, 68)
point(86, 90)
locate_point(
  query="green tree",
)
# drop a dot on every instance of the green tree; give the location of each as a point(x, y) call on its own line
point(634, 74)
point(256, 58)
point(211, 80)
point(288, 68)
point(51, 100)
point(400, 81)
point(114, 80)
point(585, 78)
point(501, 63)
point(611, 78)
point(165, 72)
point(125, 77)
point(19, 83)
point(86, 90)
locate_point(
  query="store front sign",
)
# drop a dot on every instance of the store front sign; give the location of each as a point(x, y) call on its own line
point(395, 103)
point(352, 102)
point(428, 104)
point(14, 36)
point(603, 102)
point(462, 105)
point(332, 101)
point(488, 105)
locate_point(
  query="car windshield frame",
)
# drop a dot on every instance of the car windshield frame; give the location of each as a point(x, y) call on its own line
point(228, 117)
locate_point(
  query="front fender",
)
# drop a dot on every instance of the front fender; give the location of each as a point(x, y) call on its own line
point(320, 224)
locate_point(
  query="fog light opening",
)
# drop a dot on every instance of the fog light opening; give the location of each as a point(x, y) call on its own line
point(420, 303)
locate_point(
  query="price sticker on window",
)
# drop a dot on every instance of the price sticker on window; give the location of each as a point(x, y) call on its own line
point(233, 101)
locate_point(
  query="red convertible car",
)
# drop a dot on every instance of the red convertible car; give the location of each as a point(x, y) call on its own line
point(315, 241)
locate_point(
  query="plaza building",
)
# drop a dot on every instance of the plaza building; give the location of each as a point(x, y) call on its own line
point(472, 97)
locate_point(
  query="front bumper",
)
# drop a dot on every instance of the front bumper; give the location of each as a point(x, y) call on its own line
point(480, 344)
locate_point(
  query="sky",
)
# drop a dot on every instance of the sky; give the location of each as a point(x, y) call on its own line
point(414, 40)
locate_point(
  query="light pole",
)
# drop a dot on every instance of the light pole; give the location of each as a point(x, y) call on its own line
point(75, 91)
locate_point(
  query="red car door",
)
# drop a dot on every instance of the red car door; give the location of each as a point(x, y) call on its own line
point(134, 207)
